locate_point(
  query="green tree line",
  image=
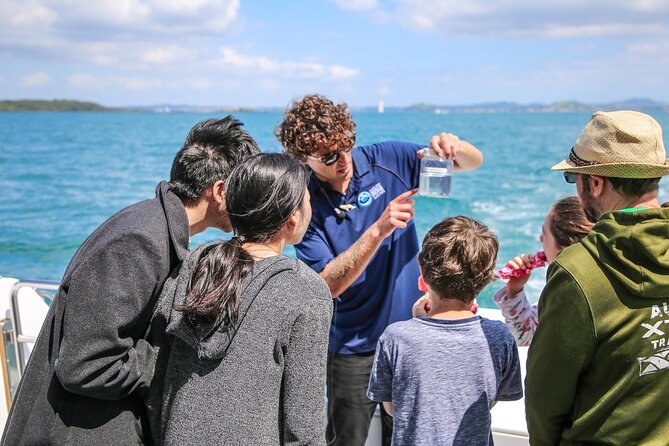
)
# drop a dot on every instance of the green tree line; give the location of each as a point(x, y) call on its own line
point(53, 105)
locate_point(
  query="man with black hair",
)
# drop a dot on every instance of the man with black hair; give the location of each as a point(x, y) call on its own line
point(92, 363)
point(598, 364)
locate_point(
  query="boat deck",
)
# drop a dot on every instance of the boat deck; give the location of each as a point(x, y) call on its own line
point(508, 418)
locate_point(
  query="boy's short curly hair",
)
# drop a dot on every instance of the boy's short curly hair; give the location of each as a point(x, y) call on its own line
point(313, 123)
point(458, 258)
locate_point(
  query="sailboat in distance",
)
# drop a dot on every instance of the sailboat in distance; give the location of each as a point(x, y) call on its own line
point(379, 106)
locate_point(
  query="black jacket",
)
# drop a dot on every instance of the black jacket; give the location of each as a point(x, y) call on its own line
point(91, 364)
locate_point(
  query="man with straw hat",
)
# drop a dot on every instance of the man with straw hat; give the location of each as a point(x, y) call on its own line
point(598, 366)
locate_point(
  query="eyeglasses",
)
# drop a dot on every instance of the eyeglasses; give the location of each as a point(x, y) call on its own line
point(332, 157)
point(570, 177)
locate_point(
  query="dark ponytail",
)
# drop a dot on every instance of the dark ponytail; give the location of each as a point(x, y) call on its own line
point(261, 193)
point(214, 292)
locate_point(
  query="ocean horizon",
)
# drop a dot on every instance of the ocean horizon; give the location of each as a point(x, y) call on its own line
point(64, 173)
point(65, 105)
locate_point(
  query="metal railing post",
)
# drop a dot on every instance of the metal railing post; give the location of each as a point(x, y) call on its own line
point(19, 338)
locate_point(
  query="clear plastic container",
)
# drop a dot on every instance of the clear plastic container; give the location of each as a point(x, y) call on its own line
point(435, 175)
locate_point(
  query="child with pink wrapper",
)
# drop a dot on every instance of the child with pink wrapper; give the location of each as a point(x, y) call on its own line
point(564, 225)
point(539, 260)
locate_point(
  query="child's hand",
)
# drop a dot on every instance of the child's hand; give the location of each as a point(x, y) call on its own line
point(516, 284)
point(422, 306)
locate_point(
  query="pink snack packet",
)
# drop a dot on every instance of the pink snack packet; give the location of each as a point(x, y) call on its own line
point(507, 272)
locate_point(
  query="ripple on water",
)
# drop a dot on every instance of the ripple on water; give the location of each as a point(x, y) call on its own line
point(65, 173)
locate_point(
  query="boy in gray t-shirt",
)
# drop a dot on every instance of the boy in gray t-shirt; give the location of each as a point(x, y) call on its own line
point(440, 374)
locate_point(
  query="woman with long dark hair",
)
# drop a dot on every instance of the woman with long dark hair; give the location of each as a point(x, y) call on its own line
point(246, 328)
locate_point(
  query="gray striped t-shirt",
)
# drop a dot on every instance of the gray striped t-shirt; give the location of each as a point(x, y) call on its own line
point(443, 377)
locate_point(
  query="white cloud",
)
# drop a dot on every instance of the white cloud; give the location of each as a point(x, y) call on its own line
point(137, 83)
point(270, 85)
point(97, 18)
point(341, 72)
point(159, 54)
point(231, 60)
point(170, 39)
point(200, 83)
point(86, 81)
point(28, 13)
point(357, 5)
point(526, 18)
point(124, 33)
point(650, 49)
point(625, 73)
point(35, 80)
point(371, 8)
point(134, 56)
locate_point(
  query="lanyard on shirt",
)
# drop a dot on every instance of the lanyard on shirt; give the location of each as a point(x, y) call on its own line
point(340, 212)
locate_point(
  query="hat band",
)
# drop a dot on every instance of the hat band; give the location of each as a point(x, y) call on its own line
point(579, 162)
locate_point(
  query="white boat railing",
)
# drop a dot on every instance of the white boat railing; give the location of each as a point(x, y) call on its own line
point(20, 299)
point(18, 335)
point(25, 303)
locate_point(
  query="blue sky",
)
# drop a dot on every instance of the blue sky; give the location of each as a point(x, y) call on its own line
point(264, 53)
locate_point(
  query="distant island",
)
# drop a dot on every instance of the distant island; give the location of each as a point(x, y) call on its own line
point(63, 105)
point(640, 104)
point(53, 105)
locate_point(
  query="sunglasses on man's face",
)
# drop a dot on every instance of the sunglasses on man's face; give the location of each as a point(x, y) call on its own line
point(332, 157)
point(570, 177)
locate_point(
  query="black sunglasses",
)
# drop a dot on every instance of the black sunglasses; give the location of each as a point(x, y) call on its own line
point(570, 177)
point(332, 157)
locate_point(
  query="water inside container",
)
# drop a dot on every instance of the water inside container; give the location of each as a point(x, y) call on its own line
point(435, 175)
point(435, 182)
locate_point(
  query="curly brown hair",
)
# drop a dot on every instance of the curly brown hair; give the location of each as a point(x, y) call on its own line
point(458, 258)
point(314, 123)
point(568, 223)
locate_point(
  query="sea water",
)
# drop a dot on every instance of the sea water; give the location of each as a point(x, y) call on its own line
point(63, 174)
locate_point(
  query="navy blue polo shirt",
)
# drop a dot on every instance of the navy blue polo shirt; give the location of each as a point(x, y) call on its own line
point(387, 289)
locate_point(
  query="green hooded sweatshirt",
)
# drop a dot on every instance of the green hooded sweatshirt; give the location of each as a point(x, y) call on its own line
point(598, 366)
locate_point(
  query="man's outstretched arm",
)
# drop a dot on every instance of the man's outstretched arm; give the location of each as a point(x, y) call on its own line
point(343, 270)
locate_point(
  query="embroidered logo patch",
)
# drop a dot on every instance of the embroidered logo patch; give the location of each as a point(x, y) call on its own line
point(377, 190)
point(659, 361)
point(365, 199)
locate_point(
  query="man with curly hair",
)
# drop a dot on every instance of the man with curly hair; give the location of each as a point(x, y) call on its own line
point(362, 241)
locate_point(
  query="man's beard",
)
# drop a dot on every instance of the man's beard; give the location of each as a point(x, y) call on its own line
point(586, 202)
point(590, 214)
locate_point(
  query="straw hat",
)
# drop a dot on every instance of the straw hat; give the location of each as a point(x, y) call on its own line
point(622, 144)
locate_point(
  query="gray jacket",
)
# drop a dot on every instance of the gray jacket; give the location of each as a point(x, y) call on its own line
point(91, 362)
point(261, 382)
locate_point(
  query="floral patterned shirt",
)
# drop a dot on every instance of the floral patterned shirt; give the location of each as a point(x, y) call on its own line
point(521, 317)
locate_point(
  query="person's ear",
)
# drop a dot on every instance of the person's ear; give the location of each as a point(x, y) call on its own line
point(293, 219)
point(218, 191)
point(597, 185)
